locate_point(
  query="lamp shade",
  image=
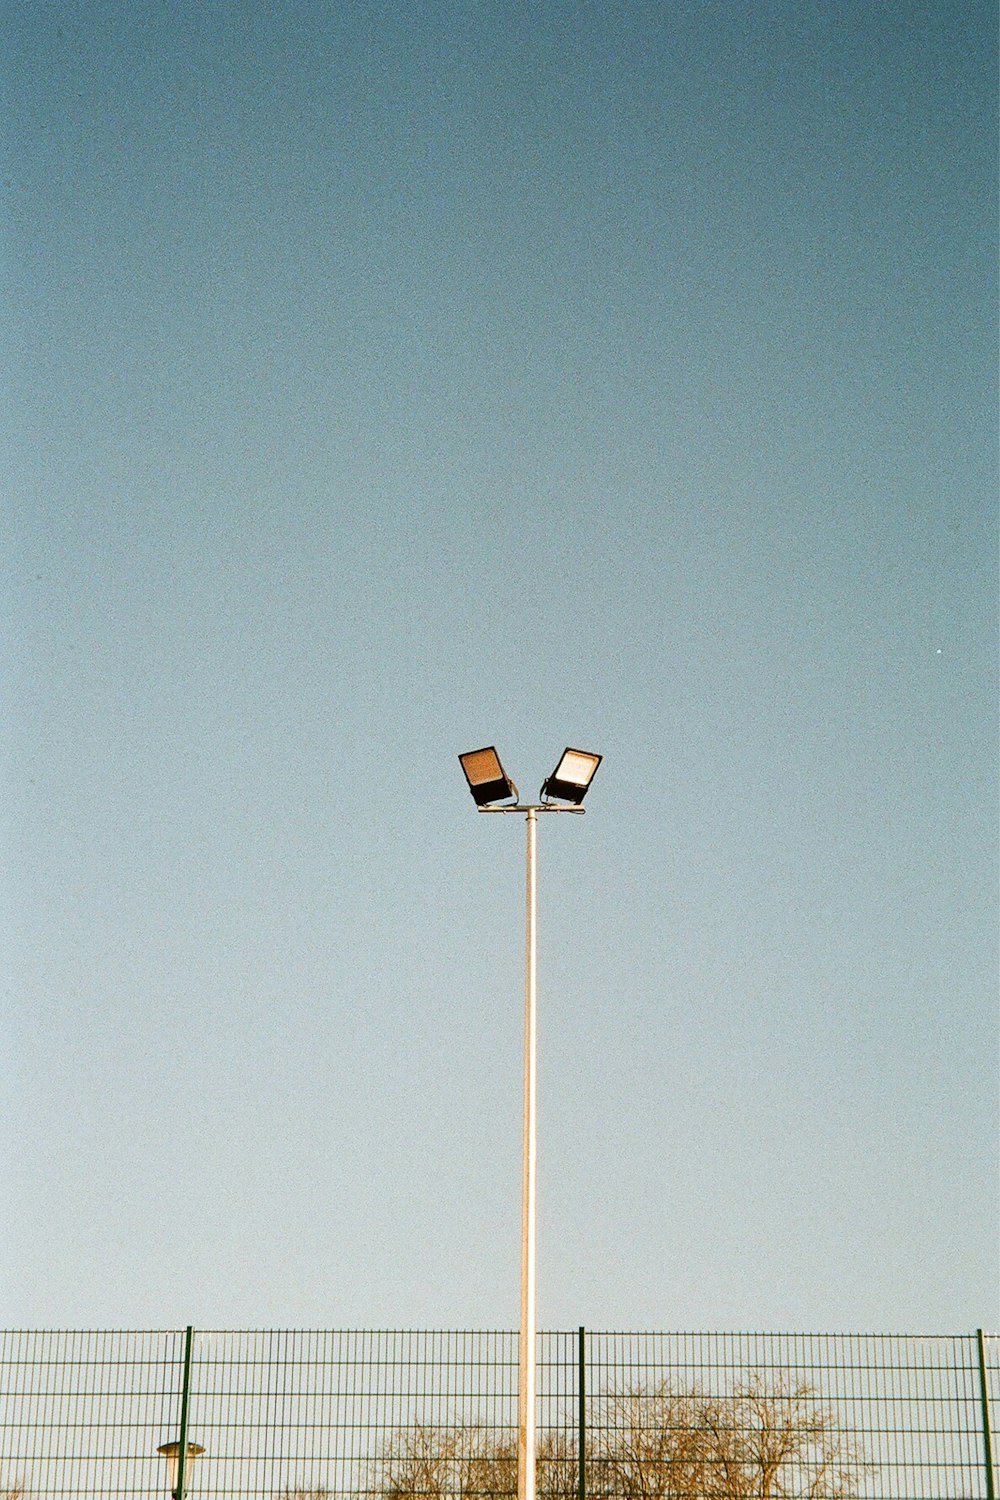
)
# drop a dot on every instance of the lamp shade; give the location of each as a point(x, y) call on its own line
point(488, 781)
point(172, 1453)
point(571, 778)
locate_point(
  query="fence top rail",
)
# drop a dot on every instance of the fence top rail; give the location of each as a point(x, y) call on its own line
point(603, 1333)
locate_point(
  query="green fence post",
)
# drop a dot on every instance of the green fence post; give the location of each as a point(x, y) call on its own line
point(984, 1391)
point(185, 1400)
point(581, 1390)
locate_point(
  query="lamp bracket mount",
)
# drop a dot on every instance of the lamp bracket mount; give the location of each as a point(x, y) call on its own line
point(536, 807)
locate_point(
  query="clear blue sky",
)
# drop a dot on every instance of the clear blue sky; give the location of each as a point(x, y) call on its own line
point(387, 380)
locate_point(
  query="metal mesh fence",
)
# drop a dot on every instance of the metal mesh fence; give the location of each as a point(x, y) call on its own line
point(403, 1415)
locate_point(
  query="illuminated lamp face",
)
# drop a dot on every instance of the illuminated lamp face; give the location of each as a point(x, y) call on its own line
point(571, 778)
point(488, 781)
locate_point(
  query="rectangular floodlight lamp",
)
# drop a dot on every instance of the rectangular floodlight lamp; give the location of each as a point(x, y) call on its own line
point(488, 781)
point(571, 778)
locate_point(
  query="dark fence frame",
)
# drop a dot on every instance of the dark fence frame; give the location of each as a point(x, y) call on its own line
point(280, 1413)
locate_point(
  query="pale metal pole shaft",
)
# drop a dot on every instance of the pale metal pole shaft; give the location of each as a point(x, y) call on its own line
point(526, 1364)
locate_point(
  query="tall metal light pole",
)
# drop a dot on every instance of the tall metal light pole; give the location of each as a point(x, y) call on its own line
point(489, 785)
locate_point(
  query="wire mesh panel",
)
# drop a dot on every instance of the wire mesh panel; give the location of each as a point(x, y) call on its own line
point(84, 1413)
point(424, 1415)
point(753, 1415)
point(346, 1413)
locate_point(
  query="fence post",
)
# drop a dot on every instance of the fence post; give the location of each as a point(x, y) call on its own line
point(987, 1431)
point(185, 1400)
point(581, 1391)
point(984, 1392)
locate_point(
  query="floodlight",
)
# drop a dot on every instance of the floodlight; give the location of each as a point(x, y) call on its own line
point(172, 1453)
point(488, 781)
point(490, 785)
point(571, 778)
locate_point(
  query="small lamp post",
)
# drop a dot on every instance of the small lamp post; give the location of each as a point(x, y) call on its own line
point(490, 785)
point(172, 1453)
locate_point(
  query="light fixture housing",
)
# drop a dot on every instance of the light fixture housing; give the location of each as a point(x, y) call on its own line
point(172, 1453)
point(488, 781)
point(570, 781)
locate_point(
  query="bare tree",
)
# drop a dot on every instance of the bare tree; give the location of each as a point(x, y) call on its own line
point(647, 1445)
point(762, 1442)
point(776, 1444)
